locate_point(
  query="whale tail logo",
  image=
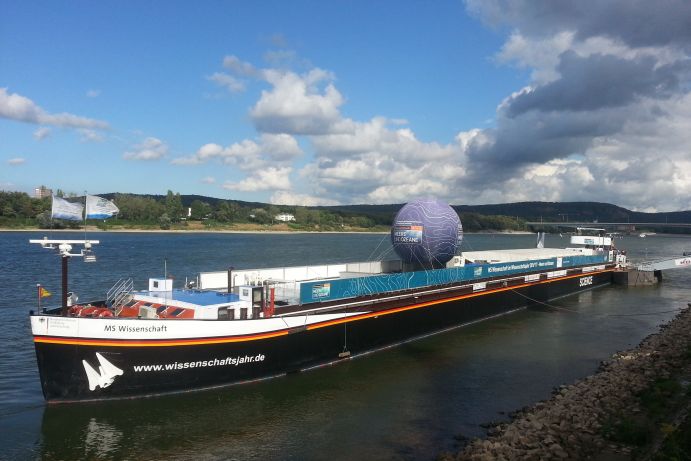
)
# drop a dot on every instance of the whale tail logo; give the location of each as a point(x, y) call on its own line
point(105, 375)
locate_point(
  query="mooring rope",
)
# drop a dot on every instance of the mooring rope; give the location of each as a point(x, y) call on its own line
point(547, 304)
point(376, 248)
point(597, 315)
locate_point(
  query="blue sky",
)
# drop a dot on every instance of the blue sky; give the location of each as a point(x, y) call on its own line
point(344, 102)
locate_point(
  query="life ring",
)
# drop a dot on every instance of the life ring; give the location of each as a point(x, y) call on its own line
point(89, 311)
point(75, 311)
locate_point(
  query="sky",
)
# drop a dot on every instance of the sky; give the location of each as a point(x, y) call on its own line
point(351, 102)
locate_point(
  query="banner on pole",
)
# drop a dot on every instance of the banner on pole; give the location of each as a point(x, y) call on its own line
point(100, 208)
point(62, 209)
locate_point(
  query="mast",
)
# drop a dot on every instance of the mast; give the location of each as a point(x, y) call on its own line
point(64, 248)
point(65, 260)
point(85, 211)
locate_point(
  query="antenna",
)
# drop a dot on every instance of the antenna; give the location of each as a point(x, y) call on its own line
point(64, 248)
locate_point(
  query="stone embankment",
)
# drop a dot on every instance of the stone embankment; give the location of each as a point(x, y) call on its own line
point(582, 420)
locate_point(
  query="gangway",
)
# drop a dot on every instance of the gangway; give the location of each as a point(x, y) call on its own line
point(672, 263)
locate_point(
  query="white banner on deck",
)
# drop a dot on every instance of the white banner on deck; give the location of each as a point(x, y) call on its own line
point(62, 209)
point(100, 208)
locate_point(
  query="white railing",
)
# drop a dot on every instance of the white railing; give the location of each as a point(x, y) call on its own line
point(119, 291)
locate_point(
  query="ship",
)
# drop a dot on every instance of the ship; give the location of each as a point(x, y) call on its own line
point(244, 325)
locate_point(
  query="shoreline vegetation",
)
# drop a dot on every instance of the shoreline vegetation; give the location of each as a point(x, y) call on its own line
point(636, 406)
point(277, 229)
point(197, 213)
point(174, 212)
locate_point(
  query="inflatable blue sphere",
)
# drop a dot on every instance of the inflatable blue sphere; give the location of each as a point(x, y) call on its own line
point(426, 232)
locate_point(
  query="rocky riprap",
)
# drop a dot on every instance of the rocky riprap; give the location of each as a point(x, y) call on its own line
point(573, 423)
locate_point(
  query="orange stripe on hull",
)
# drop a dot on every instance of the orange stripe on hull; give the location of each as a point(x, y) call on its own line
point(445, 300)
point(155, 342)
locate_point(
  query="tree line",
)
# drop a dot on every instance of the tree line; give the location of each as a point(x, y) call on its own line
point(18, 209)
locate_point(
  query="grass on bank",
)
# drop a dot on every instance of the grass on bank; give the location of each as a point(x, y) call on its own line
point(661, 428)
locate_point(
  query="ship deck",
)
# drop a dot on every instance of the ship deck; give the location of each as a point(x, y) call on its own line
point(196, 297)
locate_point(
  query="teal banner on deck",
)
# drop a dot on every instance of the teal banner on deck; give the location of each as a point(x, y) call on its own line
point(332, 289)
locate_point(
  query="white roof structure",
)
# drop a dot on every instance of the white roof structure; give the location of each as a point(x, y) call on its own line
point(523, 254)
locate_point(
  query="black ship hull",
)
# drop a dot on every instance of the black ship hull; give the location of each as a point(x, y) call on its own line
point(138, 368)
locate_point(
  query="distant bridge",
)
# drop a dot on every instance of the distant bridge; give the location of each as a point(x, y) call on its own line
point(631, 225)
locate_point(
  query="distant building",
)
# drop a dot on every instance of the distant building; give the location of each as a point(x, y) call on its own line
point(42, 191)
point(285, 217)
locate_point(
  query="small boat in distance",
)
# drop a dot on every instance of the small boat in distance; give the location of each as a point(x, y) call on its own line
point(238, 326)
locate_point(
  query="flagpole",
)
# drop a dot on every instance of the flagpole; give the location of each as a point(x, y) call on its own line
point(85, 210)
point(65, 260)
point(38, 289)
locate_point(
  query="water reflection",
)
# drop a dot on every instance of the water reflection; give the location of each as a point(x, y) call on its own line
point(297, 417)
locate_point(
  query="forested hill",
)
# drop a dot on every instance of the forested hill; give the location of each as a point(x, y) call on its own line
point(537, 211)
point(525, 211)
point(174, 210)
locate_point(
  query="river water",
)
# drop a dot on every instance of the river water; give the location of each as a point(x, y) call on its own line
point(409, 402)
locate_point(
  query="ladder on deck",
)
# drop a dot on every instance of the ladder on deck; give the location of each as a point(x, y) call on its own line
point(119, 292)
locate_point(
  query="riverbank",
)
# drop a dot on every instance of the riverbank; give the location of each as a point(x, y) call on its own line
point(243, 229)
point(240, 229)
point(637, 406)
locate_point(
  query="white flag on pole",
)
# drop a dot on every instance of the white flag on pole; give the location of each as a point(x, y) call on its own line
point(62, 209)
point(100, 208)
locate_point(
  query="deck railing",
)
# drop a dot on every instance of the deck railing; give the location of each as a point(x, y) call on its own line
point(119, 291)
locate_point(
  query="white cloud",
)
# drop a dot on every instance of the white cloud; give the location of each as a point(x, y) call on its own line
point(540, 55)
point(261, 180)
point(271, 149)
point(229, 82)
point(376, 163)
point(208, 180)
point(149, 149)
point(396, 193)
point(244, 69)
point(14, 106)
point(41, 133)
point(306, 104)
point(89, 135)
point(93, 93)
point(376, 137)
point(578, 145)
point(16, 161)
point(606, 114)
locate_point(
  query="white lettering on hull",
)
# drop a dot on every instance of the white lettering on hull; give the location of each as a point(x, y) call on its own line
point(585, 281)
